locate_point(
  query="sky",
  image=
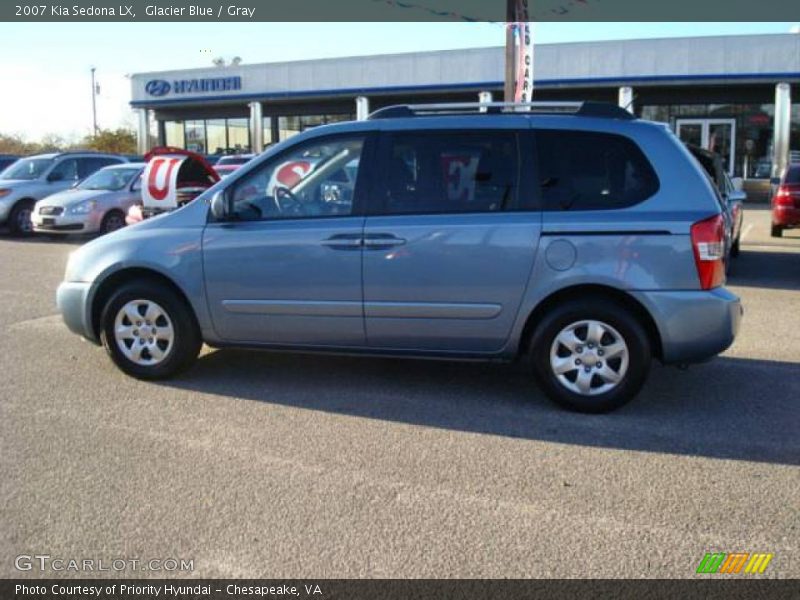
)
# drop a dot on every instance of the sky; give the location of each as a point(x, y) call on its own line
point(46, 66)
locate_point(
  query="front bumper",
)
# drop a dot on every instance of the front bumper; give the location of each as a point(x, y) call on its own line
point(73, 299)
point(694, 325)
point(65, 223)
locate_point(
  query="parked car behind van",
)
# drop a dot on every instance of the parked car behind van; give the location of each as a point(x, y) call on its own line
point(731, 195)
point(786, 201)
point(228, 164)
point(35, 177)
point(98, 204)
point(574, 237)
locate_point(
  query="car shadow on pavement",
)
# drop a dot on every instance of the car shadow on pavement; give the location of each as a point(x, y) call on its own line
point(767, 269)
point(730, 408)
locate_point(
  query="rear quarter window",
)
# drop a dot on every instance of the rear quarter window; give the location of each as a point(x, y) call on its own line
point(587, 170)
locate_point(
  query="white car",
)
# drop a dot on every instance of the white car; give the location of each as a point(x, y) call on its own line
point(96, 205)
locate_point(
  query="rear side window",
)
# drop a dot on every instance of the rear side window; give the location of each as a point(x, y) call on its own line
point(586, 170)
point(793, 175)
point(449, 172)
point(87, 166)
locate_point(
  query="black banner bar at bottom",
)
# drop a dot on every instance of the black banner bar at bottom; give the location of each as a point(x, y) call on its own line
point(730, 588)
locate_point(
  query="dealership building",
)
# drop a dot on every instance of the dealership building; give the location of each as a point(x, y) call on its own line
point(731, 94)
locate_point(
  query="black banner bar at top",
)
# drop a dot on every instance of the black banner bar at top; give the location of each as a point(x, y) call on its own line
point(394, 10)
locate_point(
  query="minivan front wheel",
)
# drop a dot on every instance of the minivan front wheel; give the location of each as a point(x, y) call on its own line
point(148, 331)
point(590, 355)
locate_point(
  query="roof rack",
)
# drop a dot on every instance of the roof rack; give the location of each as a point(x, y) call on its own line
point(580, 109)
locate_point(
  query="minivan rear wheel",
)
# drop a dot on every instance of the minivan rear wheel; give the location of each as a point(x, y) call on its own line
point(590, 355)
point(776, 231)
point(149, 331)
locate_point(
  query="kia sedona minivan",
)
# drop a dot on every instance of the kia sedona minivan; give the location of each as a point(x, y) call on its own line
point(572, 236)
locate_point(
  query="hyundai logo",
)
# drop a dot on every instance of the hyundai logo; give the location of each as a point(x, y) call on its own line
point(157, 87)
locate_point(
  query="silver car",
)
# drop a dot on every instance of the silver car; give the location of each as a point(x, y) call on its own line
point(576, 238)
point(98, 204)
point(35, 177)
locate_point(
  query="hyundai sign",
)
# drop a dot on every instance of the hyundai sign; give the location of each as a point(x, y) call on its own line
point(162, 87)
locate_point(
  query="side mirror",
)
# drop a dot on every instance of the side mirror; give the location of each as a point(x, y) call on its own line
point(219, 206)
point(775, 180)
point(738, 183)
point(55, 176)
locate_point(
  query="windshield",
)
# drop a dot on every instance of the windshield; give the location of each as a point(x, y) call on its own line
point(27, 168)
point(109, 179)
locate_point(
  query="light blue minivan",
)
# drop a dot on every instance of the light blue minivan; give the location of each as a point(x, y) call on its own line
point(573, 236)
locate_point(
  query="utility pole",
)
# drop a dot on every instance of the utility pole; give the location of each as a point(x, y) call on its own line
point(511, 17)
point(94, 104)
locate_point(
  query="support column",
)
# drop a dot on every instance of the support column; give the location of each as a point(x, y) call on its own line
point(626, 98)
point(782, 128)
point(256, 128)
point(143, 131)
point(362, 108)
point(484, 98)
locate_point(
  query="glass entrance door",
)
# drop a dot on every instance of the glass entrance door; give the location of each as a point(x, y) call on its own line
point(716, 135)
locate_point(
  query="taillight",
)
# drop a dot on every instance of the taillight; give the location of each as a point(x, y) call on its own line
point(708, 242)
point(784, 196)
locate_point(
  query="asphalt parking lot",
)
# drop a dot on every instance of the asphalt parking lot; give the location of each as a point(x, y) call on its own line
point(269, 465)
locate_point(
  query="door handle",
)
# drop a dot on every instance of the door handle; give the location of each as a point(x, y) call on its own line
point(343, 241)
point(382, 240)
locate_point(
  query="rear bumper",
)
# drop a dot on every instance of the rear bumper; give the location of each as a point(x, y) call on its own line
point(786, 216)
point(73, 303)
point(694, 326)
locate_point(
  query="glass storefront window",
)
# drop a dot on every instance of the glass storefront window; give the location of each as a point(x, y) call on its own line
point(173, 131)
point(238, 136)
point(217, 136)
point(196, 136)
point(749, 138)
point(288, 126)
point(268, 141)
point(232, 136)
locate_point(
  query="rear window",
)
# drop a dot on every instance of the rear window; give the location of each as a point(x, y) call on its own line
point(793, 175)
point(586, 170)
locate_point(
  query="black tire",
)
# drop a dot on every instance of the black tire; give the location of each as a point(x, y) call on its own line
point(610, 313)
point(776, 231)
point(186, 341)
point(113, 220)
point(19, 220)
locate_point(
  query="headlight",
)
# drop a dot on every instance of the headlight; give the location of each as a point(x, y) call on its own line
point(83, 208)
point(4, 193)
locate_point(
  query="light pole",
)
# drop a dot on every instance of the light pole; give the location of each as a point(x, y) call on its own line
point(511, 17)
point(94, 104)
